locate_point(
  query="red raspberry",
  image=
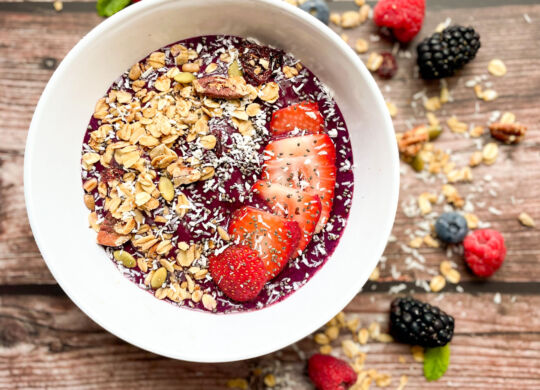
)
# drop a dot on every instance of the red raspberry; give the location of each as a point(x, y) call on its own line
point(330, 373)
point(484, 251)
point(403, 17)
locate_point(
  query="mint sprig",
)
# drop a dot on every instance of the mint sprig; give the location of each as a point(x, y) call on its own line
point(436, 361)
point(110, 7)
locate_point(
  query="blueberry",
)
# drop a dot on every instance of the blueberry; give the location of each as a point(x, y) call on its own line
point(317, 8)
point(451, 228)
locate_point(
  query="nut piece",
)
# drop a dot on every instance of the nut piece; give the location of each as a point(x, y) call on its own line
point(476, 159)
point(269, 92)
point(374, 61)
point(335, 18)
point(526, 220)
point(350, 19)
point(490, 153)
point(221, 87)
point(209, 302)
point(392, 109)
point(223, 234)
point(361, 46)
point(456, 126)
point(510, 133)
point(417, 353)
point(290, 72)
point(437, 283)
point(166, 188)
point(208, 142)
point(476, 131)
point(107, 236)
point(472, 220)
point(321, 338)
point(507, 117)
point(363, 336)
point(89, 202)
point(412, 141)
point(433, 103)
point(497, 68)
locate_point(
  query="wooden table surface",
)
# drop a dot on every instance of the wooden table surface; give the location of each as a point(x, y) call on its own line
point(47, 342)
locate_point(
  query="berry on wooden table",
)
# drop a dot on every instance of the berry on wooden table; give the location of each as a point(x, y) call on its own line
point(484, 251)
point(451, 228)
point(317, 8)
point(403, 17)
point(418, 323)
point(443, 53)
point(330, 373)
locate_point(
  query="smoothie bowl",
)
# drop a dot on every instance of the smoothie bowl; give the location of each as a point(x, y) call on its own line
point(239, 180)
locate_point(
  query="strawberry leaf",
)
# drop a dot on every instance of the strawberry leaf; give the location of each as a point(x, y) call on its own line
point(110, 7)
point(436, 361)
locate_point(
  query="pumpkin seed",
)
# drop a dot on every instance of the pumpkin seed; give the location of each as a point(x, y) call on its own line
point(166, 188)
point(158, 278)
point(434, 132)
point(125, 258)
point(418, 163)
point(234, 69)
point(184, 77)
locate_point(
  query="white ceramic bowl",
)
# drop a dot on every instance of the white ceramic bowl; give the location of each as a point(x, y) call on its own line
point(58, 217)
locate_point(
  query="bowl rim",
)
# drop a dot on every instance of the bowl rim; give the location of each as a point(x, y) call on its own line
point(127, 13)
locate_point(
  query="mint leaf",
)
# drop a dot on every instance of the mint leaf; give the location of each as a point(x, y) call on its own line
point(110, 7)
point(436, 362)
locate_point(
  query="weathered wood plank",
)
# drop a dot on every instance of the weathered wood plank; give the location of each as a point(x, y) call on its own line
point(33, 38)
point(48, 342)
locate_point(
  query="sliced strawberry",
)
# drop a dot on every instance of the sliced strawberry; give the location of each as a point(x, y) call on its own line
point(311, 145)
point(239, 272)
point(295, 204)
point(307, 163)
point(274, 237)
point(303, 116)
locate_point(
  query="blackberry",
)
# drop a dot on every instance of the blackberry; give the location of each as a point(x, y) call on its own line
point(443, 53)
point(418, 323)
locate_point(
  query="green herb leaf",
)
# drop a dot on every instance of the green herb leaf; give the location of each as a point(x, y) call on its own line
point(110, 7)
point(436, 362)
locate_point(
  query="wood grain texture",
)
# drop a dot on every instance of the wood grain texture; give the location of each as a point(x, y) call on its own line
point(47, 342)
point(35, 41)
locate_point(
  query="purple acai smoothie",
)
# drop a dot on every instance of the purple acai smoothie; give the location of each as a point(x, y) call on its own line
point(149, 120)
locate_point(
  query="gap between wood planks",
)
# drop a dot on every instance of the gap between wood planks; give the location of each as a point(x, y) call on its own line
point(471, 287)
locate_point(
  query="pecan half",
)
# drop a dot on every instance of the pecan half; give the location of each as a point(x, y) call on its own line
point(220, 87)
point(259, 62)
point(510, 133)
point(107, 236)
point(411, 141)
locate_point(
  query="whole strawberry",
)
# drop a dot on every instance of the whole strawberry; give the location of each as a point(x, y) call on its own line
point(239, 272)
point(403, 17)
point(484, 251)
point(330, 373)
